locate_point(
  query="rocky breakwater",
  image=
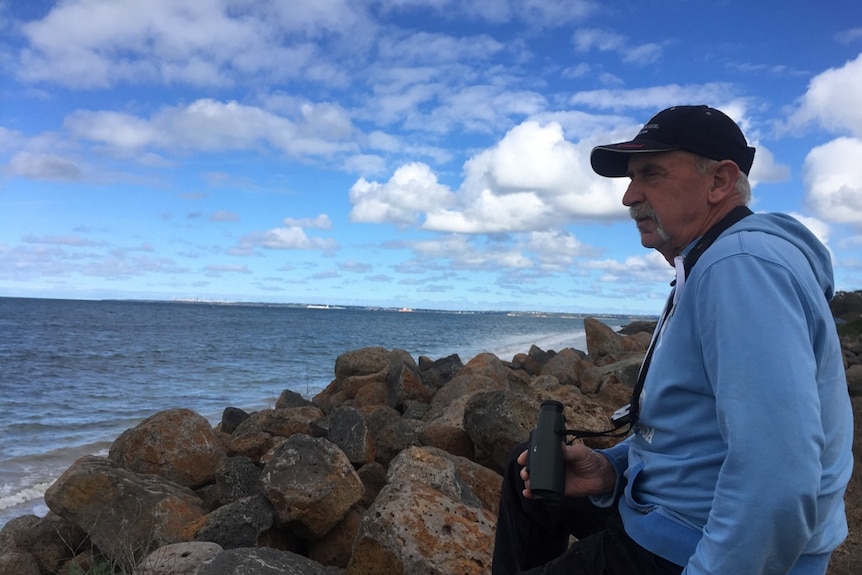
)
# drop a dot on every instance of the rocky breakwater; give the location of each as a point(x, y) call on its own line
point(393, 468)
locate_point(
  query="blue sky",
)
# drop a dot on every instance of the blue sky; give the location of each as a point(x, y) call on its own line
point(418, 153)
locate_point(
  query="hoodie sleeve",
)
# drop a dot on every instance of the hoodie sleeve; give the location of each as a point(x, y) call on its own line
point(756, 318)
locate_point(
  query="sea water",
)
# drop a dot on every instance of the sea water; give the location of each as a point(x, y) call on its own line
point(76, 374)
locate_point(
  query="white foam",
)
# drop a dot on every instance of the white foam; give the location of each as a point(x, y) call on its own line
point(25, 495)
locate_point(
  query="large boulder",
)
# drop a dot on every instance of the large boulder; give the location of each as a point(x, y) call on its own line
point(282, 422)
point(604, 345)
point(123, 512)
point(50, 540)
point(414, 528)
point(312, 485)
point(365, 361)
point(177, 444)
point(349, 431)
point(457, 477)
point(391, 433)
point(238, 523)
point(438, 373)
point(497, 421)
point(565, 366)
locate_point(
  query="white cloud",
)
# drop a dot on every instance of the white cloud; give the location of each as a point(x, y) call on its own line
point(588, 39)
point(833, 176)
point(209, 125)
point(716, 94)
point(531, 180)
point(321, 222)
point(98, 43)
point(413, 189)
point(43, 167)
point(832, 100)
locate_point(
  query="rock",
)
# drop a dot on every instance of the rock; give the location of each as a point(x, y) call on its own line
point(177, 444)
point(565, 366)
point(373, 476)
point(237, 524)
point(51, 540)
point(18, 563)
point(342, 391)
point(262, 561)
point(487, 365)
point(525, 363)
point(372, 394)
point(446, 431)
point(336, 547)
point(413, 528)
point(282, 422)
point(391, 433)
point(365, 361)
point(17, 533)
point(178, 559)
point(439, 372)
point(646, 326)
point(403, 384)
point(311, 484)
point(252, 445)
point(456, 477)
point(497, 421)
point(602, 341)
point(349, 431)
point(231, 417)
point(462, 385)
point(540, 356)
point(593, 378)
point(290, 398)
point(122, 511)
point(415, 409)
point(238, 477)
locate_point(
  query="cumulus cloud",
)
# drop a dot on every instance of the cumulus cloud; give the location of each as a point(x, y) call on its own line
point(412, 190)
point(291, 236)
point(833, 176)
point(832, 171)
point(531, 180)
point(832, 100)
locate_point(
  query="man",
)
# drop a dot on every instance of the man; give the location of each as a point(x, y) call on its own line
point(741, 449)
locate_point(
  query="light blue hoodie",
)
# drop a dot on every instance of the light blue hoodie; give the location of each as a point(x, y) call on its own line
point(743, 450)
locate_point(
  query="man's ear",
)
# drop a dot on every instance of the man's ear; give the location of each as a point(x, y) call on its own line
point(723, 185)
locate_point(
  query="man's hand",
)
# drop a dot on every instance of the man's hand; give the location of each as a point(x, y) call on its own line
point(587, 472)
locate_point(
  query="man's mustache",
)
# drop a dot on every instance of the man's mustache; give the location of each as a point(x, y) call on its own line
point(643, 211)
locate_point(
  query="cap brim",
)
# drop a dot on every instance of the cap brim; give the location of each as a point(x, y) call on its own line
point(612, 161)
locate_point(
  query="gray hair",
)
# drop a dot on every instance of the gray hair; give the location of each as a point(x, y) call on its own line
point(743, 185)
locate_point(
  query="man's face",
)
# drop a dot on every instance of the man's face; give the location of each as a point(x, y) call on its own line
point(667, 197)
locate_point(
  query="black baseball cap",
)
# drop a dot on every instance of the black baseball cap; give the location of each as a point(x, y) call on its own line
point(701, 130)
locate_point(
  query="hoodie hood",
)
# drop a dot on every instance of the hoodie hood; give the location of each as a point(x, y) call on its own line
point(796, 233)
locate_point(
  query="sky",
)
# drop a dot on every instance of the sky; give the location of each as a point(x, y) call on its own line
point(398, 153)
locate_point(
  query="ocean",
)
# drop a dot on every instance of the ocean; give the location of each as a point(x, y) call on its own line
point(75, 374)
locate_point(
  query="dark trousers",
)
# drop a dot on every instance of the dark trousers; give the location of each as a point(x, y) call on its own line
point(533, 537)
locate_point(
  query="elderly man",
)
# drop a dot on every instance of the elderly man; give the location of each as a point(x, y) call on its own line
point(742, 426)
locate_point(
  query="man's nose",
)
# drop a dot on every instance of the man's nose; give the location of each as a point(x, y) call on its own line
point(632, 195)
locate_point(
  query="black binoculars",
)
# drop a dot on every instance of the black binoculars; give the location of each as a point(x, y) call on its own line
point(545, 454)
